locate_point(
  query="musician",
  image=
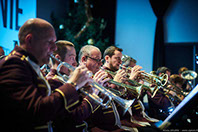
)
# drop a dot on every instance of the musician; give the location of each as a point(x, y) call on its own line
point(163, 70)
point(27, 103)
point(160, 104)
point(75, 121)
point(137, 117)
point(103, 118)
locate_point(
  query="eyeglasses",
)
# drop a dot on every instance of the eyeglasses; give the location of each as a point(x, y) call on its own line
point(97, 60)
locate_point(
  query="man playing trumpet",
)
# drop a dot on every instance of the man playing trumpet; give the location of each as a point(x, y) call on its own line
point(28, 104)
point(136, 115)
point(83, 109)
point(103, 119)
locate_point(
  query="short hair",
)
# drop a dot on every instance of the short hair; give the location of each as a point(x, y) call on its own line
point(62, 49)
point(175, 78)
point(182, 69)
point(110, 51)
point(34, 26)
point(162, 70)
point(86, 51)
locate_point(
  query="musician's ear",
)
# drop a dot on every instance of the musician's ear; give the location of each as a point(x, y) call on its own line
point(28, 40)
point(83, 59)
point(107, 58)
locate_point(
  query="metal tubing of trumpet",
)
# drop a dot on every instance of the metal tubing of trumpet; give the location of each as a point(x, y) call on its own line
point(113, 74)
point(158, 80)
point(65, 78)
point(129, 80)
point(117, 92)
point(176, 89)
point(122, 102)
point(135, 90)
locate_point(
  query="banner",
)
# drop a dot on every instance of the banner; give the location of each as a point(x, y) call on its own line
point(13, 13)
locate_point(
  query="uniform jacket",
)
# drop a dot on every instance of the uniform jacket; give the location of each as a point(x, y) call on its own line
point(25, 105)
point(135, 118)
point(158, 105)
point(75, 120)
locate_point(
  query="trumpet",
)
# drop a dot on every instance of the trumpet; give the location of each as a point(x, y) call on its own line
point(111, 96)
point(151, 78)
point(135, 90)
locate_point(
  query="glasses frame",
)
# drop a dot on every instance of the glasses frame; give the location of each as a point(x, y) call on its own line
point(97, 60)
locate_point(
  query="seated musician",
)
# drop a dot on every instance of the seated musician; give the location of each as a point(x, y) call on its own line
point(160, 104)
point(27, 102)
point(103, 119)
point(135, 117)
point(85, 107)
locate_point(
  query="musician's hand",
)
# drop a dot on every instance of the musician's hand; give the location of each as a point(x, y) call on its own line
point(120, 76)
point(135, 72)
point(101, 77)
point(81, 76)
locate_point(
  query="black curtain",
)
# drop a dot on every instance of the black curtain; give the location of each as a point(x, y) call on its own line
point(159, 8)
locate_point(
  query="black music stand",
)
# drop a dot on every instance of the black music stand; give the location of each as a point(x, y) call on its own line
point(185, 115)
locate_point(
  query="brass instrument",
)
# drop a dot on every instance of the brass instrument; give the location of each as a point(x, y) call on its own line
point(134, 90)
point(151, 78)
point(111, 96)
point(189, 75)
point(139, 87)
point(171, 87)
point(176, 89)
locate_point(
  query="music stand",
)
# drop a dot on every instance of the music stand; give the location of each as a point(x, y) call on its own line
point(185, 114)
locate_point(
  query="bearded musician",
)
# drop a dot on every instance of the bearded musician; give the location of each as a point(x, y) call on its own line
point(135, 116)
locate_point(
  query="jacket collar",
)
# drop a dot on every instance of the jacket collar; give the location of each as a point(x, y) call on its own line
point(22, 52)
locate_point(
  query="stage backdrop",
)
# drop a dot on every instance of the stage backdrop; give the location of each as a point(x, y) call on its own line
point(13, 13)
point(136, 22)
point(135, 30)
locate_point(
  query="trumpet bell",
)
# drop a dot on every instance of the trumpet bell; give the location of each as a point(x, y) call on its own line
point(164, 79)
point(189, 75)
point(126, 104)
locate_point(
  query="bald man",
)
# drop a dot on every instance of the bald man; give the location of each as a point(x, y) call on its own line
point(27, 103)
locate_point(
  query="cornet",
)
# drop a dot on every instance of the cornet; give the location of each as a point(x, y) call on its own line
point(151, 78)
point(111, 96)
point(133, 89)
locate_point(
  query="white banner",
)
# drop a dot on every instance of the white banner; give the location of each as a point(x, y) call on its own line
point(13, 13)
